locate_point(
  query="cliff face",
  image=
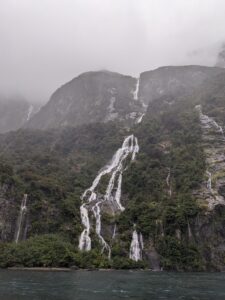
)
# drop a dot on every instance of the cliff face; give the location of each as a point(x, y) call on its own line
point(105, 96)
point(146, 190)
point(8, 211)
point(92, 97)
point(6, 217)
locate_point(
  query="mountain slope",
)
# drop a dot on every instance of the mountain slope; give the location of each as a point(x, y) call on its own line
point(91, 97)
point(105, 96)
point(151, 195)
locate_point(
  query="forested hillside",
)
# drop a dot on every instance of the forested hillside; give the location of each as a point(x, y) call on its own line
point(156, 185)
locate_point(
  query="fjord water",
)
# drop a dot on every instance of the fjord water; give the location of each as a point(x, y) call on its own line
point(102, 285)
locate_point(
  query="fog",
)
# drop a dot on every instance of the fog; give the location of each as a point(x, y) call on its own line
point(45, 43)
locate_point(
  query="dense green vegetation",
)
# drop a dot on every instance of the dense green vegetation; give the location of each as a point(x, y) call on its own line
point(170, 141)
point(53, 250)
point(56, 166)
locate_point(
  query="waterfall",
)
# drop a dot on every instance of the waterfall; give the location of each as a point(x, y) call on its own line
point(85, 241)
point(208, 122)
point(209, 181)
point(20, 221)
point(97, 213)
point(92, 203)
point(136, 98)
point(168, 182)
point(136, 91)
point(136, 246)
point(30, 110)
point(114, 232)
point(139, 119)
point(214, 158)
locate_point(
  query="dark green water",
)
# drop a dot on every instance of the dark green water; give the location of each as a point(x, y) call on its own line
point(105, 285)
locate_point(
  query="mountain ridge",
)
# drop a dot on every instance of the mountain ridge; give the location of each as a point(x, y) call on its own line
point(98, 92)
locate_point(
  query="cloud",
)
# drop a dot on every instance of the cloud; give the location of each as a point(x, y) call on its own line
point(45, 43)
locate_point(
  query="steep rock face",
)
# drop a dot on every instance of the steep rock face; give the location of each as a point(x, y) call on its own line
point(208, 232)
point(91, 97)
point(8, 213)
point(173, 81)
point(14, 113)
point(106, 96)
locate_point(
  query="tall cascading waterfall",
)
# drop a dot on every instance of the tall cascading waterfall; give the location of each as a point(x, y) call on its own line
point(208, 123)
point(92, 202)
point(20, 221)
point(136, 246)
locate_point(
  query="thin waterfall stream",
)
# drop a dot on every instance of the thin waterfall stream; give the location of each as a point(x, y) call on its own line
point(23, 210)
point(136, 246)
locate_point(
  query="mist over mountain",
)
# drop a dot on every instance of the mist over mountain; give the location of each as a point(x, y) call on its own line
point(118, 172)
point(114, 155)
point(105, 96)
point(46, 45)
point(91, 97)
point(15, 111)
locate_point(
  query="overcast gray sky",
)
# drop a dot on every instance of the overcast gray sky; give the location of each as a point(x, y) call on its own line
point(45, 43)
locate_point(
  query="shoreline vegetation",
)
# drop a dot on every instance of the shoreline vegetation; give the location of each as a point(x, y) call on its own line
point(72, 269)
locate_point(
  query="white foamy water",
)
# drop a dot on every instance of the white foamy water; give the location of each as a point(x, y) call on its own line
point(136, 91)
point(85, 240)
point(208, 122)
point(92, 203)
point(23, 209)
point(136, 246)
